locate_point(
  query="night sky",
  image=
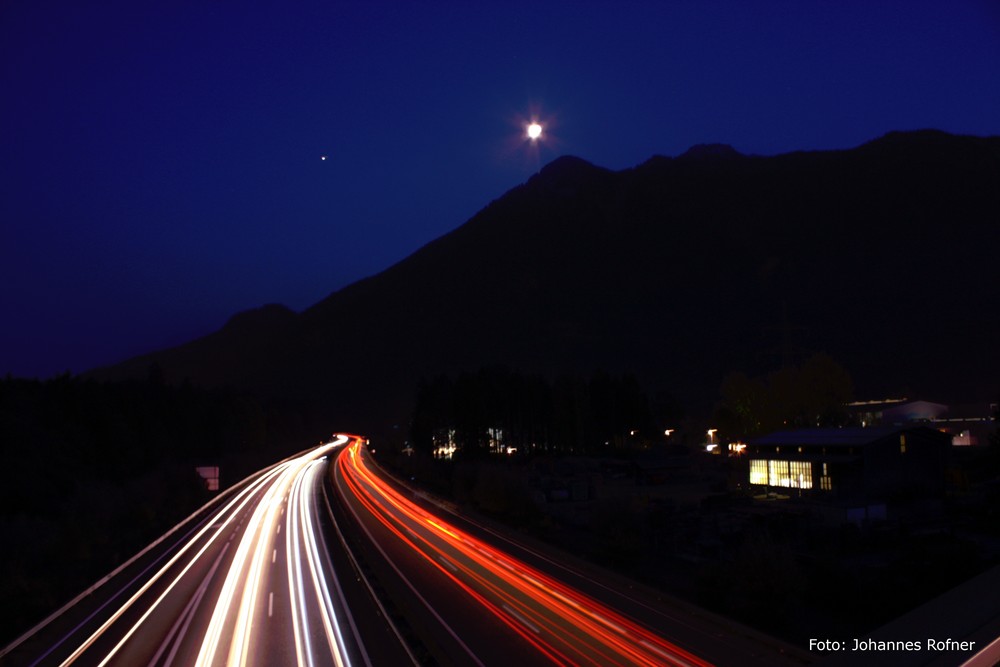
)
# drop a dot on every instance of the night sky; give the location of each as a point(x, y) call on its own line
point(162, 168)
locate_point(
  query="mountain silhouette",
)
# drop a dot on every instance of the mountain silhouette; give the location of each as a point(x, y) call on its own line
point(679, 270)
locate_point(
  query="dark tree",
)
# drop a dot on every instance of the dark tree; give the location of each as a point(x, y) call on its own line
point(814, 394)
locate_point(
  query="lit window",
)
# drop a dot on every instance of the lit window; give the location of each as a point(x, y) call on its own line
point(902, 444)
point(825, 483)
point(800, 474)
point(787, 474)
point(777, 473)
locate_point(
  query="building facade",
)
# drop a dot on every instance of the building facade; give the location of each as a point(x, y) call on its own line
point(860, 467)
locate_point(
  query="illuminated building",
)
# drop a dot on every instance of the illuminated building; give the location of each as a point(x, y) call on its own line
point(860, 470)
point(969, 425)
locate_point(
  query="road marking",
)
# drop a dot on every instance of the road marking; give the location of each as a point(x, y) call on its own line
point(279, 529)
point(614, 626)
point(472, 656)
point(448, 563)
point(184, 620)
point(534, 628)
point(270, 604)
point(274, 555)
point(676, 659)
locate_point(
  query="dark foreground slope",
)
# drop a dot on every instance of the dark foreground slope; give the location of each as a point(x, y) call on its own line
point(679, 270)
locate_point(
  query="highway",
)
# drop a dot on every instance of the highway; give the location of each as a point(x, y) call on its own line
point(322, 559)
point(481, 604)
point(249, 580)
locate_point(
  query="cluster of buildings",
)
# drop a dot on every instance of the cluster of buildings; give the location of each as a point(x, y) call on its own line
point(898, 454)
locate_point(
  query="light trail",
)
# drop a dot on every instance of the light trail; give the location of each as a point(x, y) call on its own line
point(252, 537)
point(308, 522)
point(240, 501)
point(307, 585)
point(241, 579)
point(302, 542)
point(566, 625)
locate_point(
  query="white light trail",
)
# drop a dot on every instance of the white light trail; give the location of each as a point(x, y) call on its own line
point(248, 572)
point(308, 525)
point(304, 552)
point(213, 634)
point(239, 502)
point(256, 514)
point(296, 589)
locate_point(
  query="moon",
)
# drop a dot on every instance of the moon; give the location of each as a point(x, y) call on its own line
point(534, 131)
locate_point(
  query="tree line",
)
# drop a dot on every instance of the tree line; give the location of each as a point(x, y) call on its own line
point(496, 408)
point(94, 471)
point(814, 393)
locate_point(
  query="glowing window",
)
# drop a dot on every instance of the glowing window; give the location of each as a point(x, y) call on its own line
point(777, 473)
point(787, 474)
point(800, 474)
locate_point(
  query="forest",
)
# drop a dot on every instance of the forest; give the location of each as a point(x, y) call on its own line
point(496, 408)
point(95, 471)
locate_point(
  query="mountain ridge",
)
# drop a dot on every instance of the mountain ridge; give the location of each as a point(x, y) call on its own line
point(654, 270)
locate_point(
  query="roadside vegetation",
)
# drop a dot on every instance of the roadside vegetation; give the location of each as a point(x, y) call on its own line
point(96, 471)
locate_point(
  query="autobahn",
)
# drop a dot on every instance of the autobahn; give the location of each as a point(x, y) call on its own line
point(249, 580)
point(507, 607)
point(323, 559)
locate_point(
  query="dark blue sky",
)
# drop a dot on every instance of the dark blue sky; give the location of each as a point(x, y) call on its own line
point(161, 167)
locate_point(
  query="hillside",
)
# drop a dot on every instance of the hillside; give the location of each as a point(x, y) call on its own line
point(679, 270)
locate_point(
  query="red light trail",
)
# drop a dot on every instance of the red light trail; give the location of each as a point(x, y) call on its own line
point(566, 625)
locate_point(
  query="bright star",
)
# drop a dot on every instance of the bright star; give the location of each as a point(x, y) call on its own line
point(534, 131)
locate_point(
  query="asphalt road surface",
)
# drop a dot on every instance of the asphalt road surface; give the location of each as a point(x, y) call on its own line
point(322, 559)
point(250, 580)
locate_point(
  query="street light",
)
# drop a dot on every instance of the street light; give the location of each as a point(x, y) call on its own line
point(711, 440)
